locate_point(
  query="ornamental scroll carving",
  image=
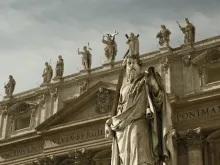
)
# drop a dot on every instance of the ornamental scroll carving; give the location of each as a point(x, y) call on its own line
point(104, 100)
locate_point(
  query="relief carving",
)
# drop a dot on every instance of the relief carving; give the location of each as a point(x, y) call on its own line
point(80, 156)
point(187, 60)
point(103, 100)
point(165, 64)
point(194, 138)
point(83, 86)
point(41, 100)
point(54, 93)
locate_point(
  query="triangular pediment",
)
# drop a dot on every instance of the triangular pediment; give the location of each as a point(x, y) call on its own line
point(93, 104)
point(208, 56)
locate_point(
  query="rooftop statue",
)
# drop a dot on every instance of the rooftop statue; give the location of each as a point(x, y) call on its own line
point(10, 86)
point(111, 46)
point(133, 43)
point(59, 67)
point(164, 36)
point(86, 57)
point(47, 73)
point(188, 31)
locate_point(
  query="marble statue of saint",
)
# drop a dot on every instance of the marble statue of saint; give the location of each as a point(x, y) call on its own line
point(111, 47)
point(86, 57)
point(188, 31)
point(133, 43)
point(141, 121)
point(59, 67)
point(47, 73)
point(164, 36)
point(10, 86)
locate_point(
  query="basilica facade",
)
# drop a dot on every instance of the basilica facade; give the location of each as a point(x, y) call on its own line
point(63, 122)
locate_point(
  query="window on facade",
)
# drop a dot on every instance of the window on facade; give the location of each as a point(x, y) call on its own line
point(22, 122)
point(212, 75)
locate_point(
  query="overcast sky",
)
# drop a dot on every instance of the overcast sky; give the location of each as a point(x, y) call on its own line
point(35, 31)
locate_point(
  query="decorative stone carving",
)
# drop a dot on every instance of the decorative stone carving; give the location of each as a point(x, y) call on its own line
point(41, 100)
point(83, 86)
point(133, 43)
point(47, 74)
point(176, 138)
point(10, 86)
point(111, 47)
point(165, 64)
point(188, 31)
point(86, 57)
point(187, 60)
point(54, 93)
point(80, 156)
point(194, 138)
point(164, 36)
point(59, 68)
point(104, 100)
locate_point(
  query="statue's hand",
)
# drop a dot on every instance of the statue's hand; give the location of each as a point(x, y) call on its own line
point(149, 113)
point(108, 132)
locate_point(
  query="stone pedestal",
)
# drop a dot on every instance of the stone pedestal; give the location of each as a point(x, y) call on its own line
point(57, 79)
point(166, 49)
point(194, 143)
point(186, 45)
point(108, 64)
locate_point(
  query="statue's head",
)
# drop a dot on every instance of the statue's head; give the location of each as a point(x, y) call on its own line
point(132, 35)
point(60, 57)
point(108, 37)
point(163, 26)
point(46, 63)
point(85, 48)
point(10, 77)
point(133, 66)
point(186, 20)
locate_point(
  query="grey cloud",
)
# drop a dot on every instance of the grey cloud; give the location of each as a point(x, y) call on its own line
point(35, 31)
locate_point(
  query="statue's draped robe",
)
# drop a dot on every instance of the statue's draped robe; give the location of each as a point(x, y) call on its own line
point(48, 74)
point(9, 89)
point(137, 139)
point(59, 68)
point(189, 31)
point(110, 49)
point(86, 59)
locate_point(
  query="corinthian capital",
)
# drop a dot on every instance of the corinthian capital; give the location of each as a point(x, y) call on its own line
point(194, 138)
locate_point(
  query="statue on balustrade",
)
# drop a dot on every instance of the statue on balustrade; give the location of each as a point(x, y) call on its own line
point(133, 43)
point(164, 36)
point(188, 31)
point(86, 57)
point(141, 122)
point(47, 73)
point(111, 47)
point(10, 86)
point(59, 67)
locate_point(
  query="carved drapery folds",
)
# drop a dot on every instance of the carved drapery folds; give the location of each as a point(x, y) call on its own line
point(104, 100)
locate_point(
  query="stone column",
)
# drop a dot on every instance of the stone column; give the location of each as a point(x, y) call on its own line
point(166, 68)
point(194, 143)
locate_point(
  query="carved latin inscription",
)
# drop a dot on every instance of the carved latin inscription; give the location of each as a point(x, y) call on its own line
point(74, 137)
point(22, 151)
point(206, 111)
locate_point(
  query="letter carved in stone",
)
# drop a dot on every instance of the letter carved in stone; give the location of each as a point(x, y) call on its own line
point(103, 101)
